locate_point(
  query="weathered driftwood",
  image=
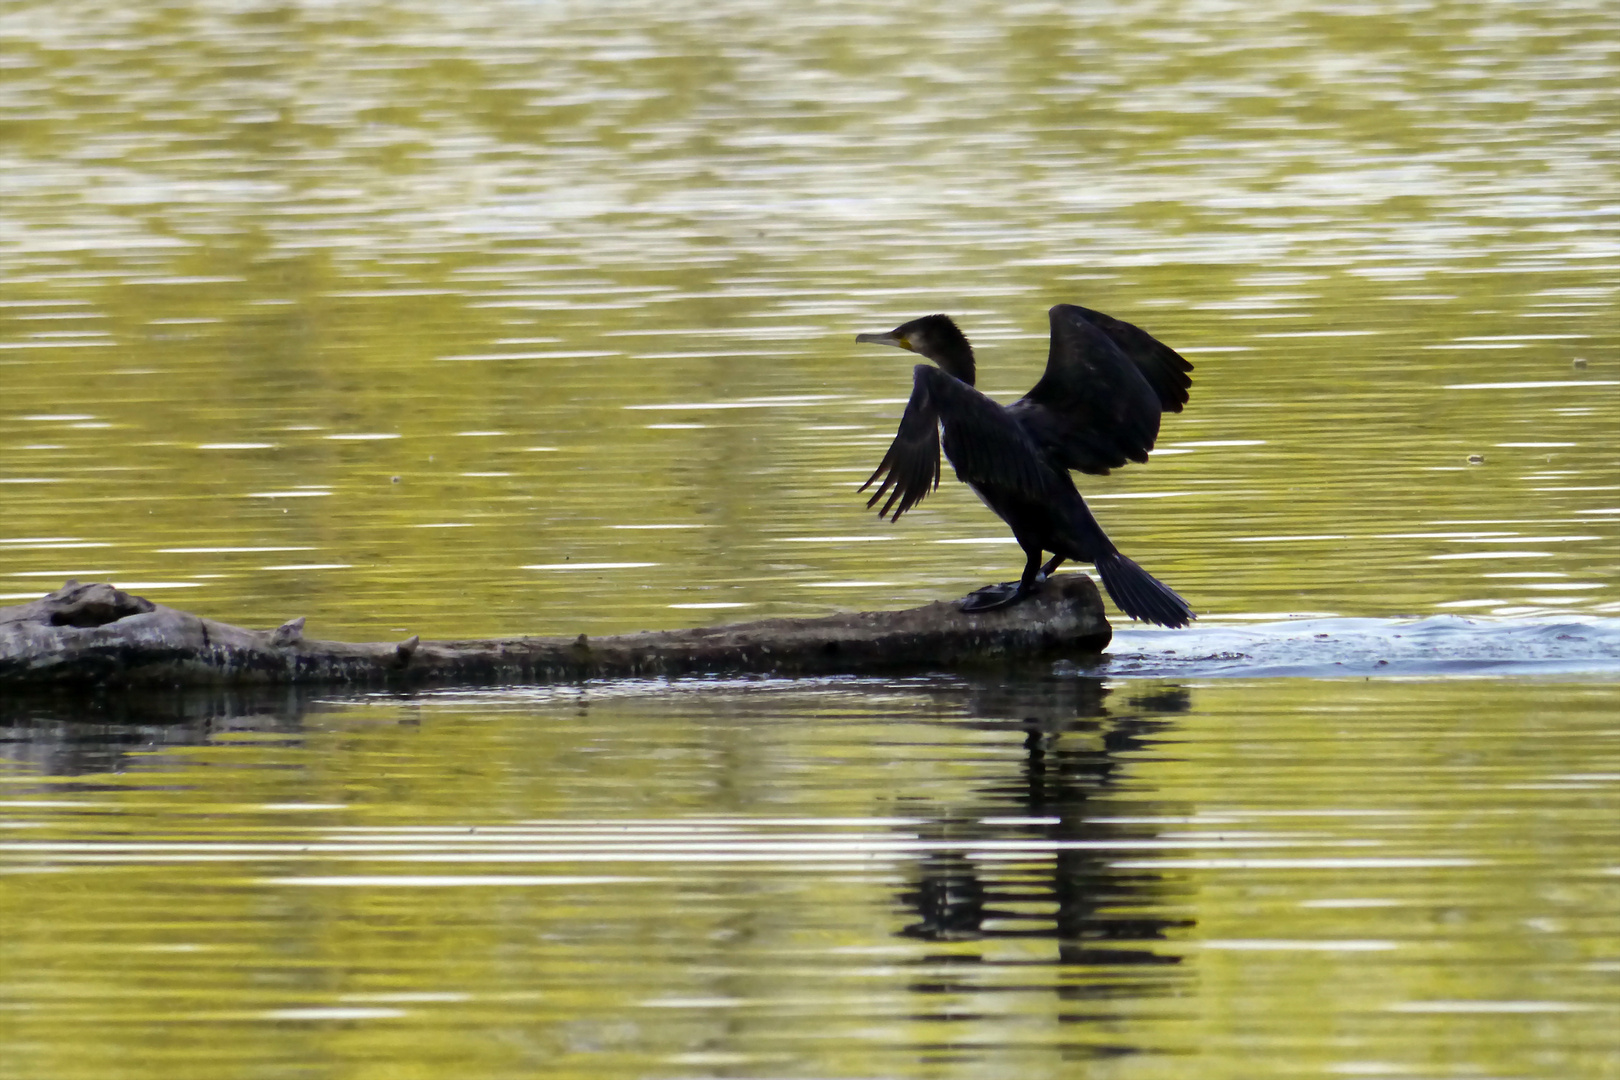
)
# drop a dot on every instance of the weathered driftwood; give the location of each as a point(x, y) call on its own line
point(96, 635)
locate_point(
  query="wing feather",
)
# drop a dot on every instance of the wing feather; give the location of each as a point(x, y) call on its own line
point(910, 468)
point(1164, 368)
point(985, 443)
point(1106, 383)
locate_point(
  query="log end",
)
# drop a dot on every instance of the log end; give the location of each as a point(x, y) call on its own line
point(95, 604)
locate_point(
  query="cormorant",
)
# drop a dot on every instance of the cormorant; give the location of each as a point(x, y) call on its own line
point(1096, 407)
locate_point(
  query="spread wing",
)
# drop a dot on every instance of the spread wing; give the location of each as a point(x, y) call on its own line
point(1106, 383)
point(1163, 367)
point(985, 443)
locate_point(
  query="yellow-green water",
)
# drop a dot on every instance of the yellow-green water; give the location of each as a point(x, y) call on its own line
point(394, 315)
point(1274, 878)
point(261, 262)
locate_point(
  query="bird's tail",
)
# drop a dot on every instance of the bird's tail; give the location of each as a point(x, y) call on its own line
point(1141, 595)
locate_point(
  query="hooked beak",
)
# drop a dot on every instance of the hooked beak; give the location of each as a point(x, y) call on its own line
point(890, 338)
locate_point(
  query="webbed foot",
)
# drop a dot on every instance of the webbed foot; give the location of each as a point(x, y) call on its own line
point(995, 596)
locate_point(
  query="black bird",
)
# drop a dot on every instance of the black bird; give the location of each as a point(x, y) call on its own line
point(1096, 407)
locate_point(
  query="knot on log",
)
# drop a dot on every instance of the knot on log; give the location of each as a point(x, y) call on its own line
point(96, 604)
point(406, 649)
point(288, 633)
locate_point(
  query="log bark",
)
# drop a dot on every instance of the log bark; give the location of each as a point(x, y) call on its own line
point(93, 635)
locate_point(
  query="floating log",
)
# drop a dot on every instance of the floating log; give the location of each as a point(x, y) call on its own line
point(93, 635)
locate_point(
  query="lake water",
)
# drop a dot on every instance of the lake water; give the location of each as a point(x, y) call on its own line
point(534, 317)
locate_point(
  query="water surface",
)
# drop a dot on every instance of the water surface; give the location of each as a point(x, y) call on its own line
point(938, 877)
point(526, 317)
point(534, 318)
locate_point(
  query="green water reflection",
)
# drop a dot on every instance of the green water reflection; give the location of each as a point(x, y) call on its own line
point(1280, 878)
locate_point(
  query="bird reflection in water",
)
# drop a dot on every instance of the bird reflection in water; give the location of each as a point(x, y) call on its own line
point(1098, 915)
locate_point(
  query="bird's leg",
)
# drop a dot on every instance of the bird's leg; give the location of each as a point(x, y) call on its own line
point(1032, 573)
point(998, 596)
point(1051, 566)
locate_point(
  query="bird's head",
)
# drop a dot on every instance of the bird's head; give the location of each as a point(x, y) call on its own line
point(935, 337)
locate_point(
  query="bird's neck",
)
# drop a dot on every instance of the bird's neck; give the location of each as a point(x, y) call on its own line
point(957, 363)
